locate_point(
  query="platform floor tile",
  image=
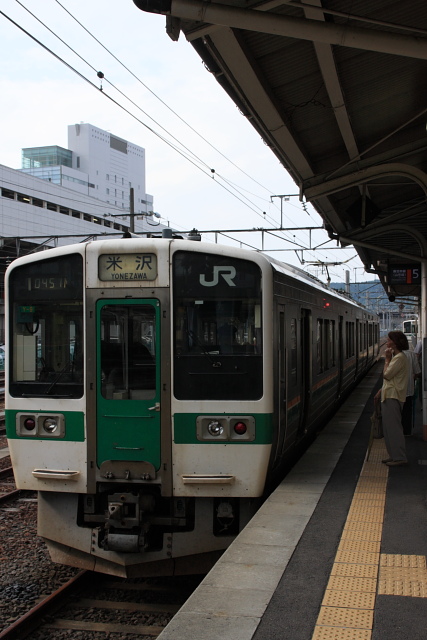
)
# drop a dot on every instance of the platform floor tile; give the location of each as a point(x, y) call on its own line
point(347, 610)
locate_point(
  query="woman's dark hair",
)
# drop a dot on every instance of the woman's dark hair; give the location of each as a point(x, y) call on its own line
point(399, 339)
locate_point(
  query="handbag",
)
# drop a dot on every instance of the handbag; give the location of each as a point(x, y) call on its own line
point(376, 422)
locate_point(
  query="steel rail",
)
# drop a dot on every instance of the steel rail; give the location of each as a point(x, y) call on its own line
point(33, 618)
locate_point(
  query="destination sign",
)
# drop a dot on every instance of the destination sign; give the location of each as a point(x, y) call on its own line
point(127, 267)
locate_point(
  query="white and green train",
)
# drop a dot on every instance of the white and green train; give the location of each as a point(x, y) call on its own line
point(157, 387)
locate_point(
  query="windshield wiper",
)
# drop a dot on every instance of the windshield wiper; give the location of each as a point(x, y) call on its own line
point(57, 378)
point(193, 336)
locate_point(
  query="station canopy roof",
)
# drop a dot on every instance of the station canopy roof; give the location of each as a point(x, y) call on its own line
point(336, 90)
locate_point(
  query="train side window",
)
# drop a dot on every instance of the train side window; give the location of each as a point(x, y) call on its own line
point(293, 342)
point(319, 345)
point(332, 357)
point(326, 345)
point(349, 339)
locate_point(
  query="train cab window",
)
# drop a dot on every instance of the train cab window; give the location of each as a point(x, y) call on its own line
point(128, 352)
point(46, 328)
point(217, 327)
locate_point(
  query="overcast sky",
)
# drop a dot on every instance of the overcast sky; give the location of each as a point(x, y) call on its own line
point(40, 96)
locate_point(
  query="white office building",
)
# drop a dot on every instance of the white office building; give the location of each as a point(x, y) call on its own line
point(61, 195)
point(97, 164)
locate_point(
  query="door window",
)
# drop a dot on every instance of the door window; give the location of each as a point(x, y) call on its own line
point(128, 352)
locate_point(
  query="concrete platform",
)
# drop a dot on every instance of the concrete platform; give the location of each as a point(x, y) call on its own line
point(338, 551)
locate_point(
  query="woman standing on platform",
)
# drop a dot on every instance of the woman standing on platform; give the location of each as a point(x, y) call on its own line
point(393, 396)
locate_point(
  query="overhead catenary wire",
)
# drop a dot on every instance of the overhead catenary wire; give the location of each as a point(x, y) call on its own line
point(238, 189)
point(231, 184)
point(82, 76)
point(218, 177)
point(193, 158)
point(107, 96)
point(100, 74)
point(214, 174)
point(161, 100)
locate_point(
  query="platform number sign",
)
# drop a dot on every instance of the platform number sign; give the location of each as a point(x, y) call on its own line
point(405, 274)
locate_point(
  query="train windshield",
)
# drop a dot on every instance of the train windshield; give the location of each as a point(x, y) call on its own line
point(46, 328)
point(217, 327)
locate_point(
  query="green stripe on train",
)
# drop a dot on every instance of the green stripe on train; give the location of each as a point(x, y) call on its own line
point(74, 425)
point(185, 430)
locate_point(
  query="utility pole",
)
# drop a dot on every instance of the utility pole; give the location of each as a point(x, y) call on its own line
point(132, 210)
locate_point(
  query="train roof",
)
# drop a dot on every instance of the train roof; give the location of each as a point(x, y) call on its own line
point(293, 271)
point(278, 266)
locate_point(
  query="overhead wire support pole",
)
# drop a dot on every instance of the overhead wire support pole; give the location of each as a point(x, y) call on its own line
point(286, 198)
point(132, 210)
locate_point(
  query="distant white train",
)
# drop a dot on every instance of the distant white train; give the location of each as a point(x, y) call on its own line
point(156, 389)
point(410, 329)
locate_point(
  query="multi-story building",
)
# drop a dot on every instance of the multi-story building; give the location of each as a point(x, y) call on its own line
point(62, 195)
point(97, 164)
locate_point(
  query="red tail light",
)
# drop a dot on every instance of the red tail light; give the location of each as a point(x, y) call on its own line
point(240, 428)
point(29, 424)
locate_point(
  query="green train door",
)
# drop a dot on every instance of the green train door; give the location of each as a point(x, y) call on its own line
point(128, 387)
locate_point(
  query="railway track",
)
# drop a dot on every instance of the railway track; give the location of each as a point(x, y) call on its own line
point(92, 603)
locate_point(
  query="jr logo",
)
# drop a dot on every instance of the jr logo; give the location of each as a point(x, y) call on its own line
point(228, 273)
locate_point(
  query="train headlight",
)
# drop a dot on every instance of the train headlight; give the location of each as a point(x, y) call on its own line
point(225, 428)
point(50, 425)
point(215, 428)
point(40, 425)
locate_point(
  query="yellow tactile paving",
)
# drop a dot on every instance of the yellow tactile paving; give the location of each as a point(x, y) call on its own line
point(367, 497)
point(356, 570)
point(403, 575)
point(348, 544)
point(362, 534)
point(357, 557)
point(396, 587)
point(360, 571)
point(334, 633)
point(349, 599)
point(351, 583)
point(341, 617)
point(364, 526)
point(397, 560)
point(374, 479)
point(369, 501)
point(368, 514)
point(375, 486)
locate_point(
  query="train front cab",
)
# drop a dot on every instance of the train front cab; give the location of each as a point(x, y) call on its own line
point(162, 454)
point(198, 460)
